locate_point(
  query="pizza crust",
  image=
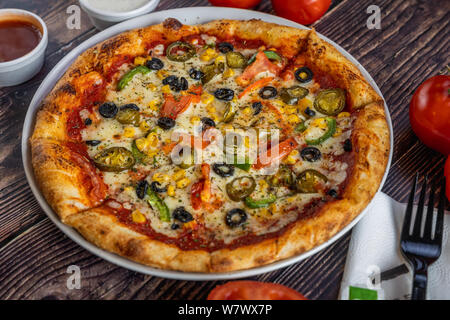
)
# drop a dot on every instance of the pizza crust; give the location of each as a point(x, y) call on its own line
point(60, 178)
point(57, 175)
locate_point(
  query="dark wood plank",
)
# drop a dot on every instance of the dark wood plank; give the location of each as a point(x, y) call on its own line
point(412, 45)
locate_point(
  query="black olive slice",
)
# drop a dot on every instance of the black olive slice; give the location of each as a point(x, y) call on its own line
point(166, 123)
point(131, 106)
point(268, 92)
point(257, 107)
point(223, 169)
point(88, 121)
point(93, 143)
point(196, 74)
point(154, 64)
point(235, 218)
point(303, 74)
point(348, 145)
point(170, 80)
point(332, 193)
point(311, 154)
point(224, 94)
point(182, 215)
point(207, 123)
point(108, 110)
point(309, 112)
point(141, 189)
point(155, 186)
point(183, 84)
point(225, 47)
point(175, 226)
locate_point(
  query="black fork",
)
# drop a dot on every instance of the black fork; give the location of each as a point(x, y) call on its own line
point(422, 248)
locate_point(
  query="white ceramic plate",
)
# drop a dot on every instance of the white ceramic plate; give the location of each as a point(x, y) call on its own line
point(193, 15)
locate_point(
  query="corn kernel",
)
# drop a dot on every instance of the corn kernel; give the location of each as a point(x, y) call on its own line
point(144, 126)
point(211, 109)
point(152, 87)
point(142, 144)
point(171, 191)
point(338, 132)
point(128, 132)
point(179, 175)
point(294, 153)
point(290, 160)
point(139, 61)
point(183, 183)
point(290, 110)
point(138, 217)
point(262, 183)
point(129, 189)
point(228, 73)
point(247, 141)
point(160, 177)
point(273, 207)
point(194, 120)
point(161, 74)
point(247, 111)
point(165, 89)
point(152, 139)
point(320, 123)
point(208, 55)
point(154, 105)
point(293, 118)
point(207, 98)
point(343, 115)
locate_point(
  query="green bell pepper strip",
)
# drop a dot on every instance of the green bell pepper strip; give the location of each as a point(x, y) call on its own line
point(160, 205)
point(271, 55)
point(300, 127)
point(331, 122)
point(243, 166)
point(255, 204)
point(130, 74)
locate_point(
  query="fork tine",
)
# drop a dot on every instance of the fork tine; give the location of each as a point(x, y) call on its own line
point(440, 215)
point(419, 214)
point(409, 209)
point(427, 232)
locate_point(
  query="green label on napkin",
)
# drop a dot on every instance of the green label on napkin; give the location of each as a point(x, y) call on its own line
point(362, 294)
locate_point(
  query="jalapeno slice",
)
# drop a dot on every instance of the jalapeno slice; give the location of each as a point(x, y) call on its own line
point(188, 159)
point(283, 177)
point(128, 115)
point(211, 70)
point(114, 159)
point(240, 188)
point(308, 180)
point(293, 94)
point(330, 101)
point(187, 51)
point(139, 156)
point(130, 74)
point(235, 60)
point(230, 112)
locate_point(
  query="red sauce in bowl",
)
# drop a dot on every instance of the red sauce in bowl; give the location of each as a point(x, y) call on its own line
point(17, 38)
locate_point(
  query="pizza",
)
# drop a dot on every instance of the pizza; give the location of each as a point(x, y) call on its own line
point(210, 148)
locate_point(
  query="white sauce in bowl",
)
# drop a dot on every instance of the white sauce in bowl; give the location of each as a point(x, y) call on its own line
point(117, 5)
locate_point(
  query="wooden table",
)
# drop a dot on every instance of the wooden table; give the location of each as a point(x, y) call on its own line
point(412, 45)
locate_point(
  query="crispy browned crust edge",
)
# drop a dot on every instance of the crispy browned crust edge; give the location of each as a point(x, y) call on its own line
point(370, 140)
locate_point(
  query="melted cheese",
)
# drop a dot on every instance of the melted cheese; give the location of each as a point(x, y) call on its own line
point(145, 91)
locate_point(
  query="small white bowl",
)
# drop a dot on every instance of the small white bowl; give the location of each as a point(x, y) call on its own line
point(19, 70)
point(103, 19)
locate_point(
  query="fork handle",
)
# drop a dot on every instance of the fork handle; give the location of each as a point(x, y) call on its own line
point(420, 278)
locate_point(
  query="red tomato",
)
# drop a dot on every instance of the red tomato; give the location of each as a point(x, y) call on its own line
point(253, 290)
point(244, 4)
point(301, 11)
point(429, 113)
point(447, 177)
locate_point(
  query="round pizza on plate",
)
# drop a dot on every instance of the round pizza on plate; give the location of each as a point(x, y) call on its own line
point(210, 148)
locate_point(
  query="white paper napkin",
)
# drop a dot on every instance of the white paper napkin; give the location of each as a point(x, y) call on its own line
point(374, 248)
